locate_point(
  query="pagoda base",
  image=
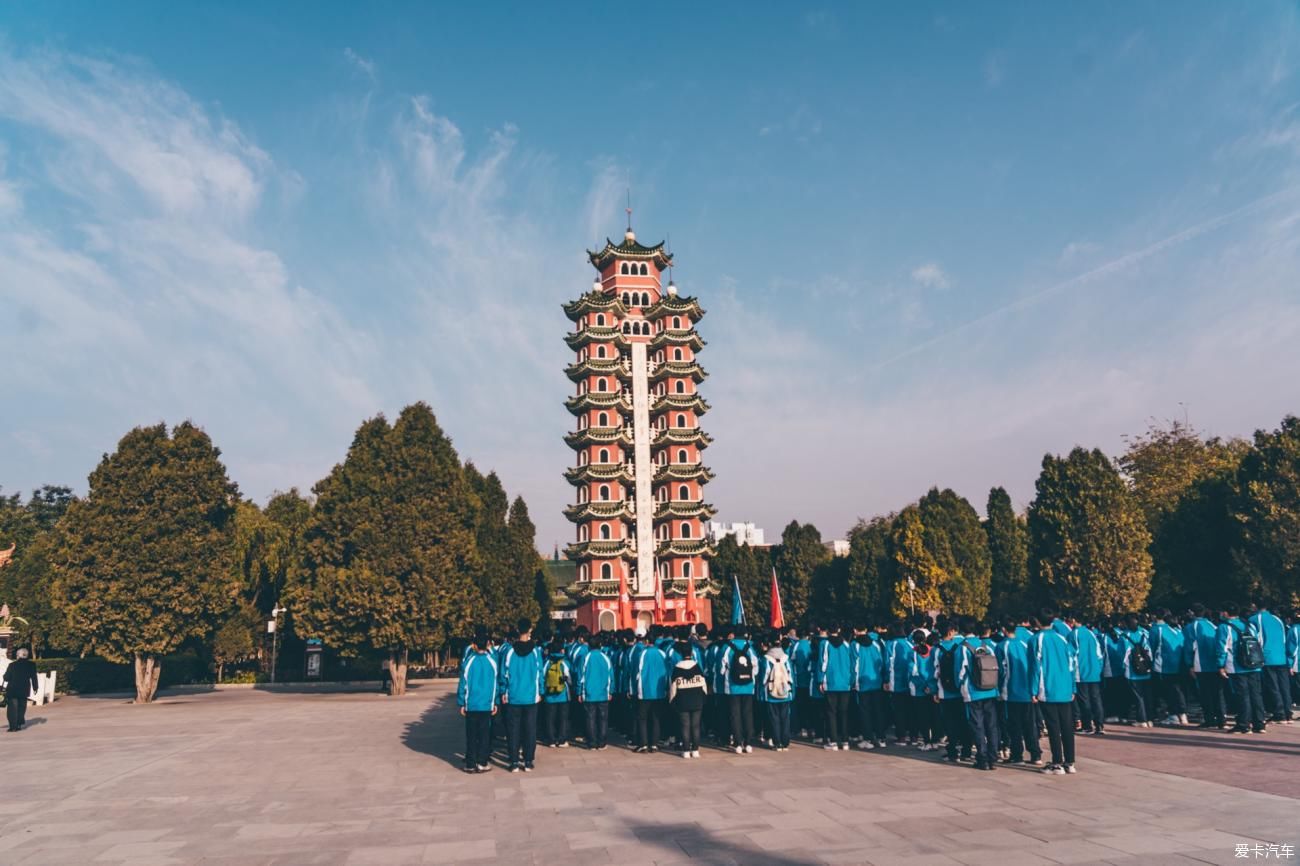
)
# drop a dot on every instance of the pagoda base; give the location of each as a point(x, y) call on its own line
point(602, 614)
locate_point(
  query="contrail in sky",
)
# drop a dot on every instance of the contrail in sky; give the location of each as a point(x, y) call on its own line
point(1111, 267)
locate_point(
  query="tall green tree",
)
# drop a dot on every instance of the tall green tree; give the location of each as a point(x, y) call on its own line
point(869, 580)
point(1088, 538)
point(390, 548)
point(528, 588)
point(496, 552)
point(797, 558)
point(1179, 478)
point(25, 583)
point(1267, 510)
point(752, 569)
point(1008, 541)
point(957, 543)
point(143, 561)
point(917, 578)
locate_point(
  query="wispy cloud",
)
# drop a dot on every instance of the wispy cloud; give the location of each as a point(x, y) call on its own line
point(931, 275)
point(365, 66)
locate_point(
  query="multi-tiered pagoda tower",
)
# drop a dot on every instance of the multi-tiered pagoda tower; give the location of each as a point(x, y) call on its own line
point(641, 550)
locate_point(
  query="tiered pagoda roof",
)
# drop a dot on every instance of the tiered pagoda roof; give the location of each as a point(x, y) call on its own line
point(684, 472)
point(677, 337)
point(679, 508)
point(580, 403)
point(674, 305)
point(599, 436)
point(595, 302)
point(684, 547)
point(667, 402)
point(580, 370)
point(680, 436)
point(623, 509)
point(617, 548)
point(680, 370)
point(594, 334)
point(620, 473)
point(630, 249)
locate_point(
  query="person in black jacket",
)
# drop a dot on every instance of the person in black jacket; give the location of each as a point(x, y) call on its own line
point(687, 689)
point(20, 683)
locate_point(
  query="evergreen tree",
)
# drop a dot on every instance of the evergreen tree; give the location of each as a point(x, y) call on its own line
point(1267, 511)
point(390, 545)
point(959, 547)
point(528, 590)
point(25, 583)
point(753, 569)
point(1088, 540)
point(918, 579)
point(143, 560)
point(797, 558)
point(495, 546)
point(1008, 541)
point(869, 579)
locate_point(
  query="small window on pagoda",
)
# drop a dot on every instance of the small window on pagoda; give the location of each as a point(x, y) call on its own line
point(604, 531)
point(582, 533)
point(600, 319)
point(602, 420)
point(606, 571)
point(686, 530)
point(677, 323)
point(623, 270)
point(686, 569)
point(682, 456)
point(582, 573)
point(645, 296)
point(604, 493)
point(681, 387)
point(600, 384)
point(644, 270)
point(681, 420)
point(604, 455)
point(677, 354)
point(683, 492)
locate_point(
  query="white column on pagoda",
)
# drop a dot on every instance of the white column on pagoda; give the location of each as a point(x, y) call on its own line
point(645, 539)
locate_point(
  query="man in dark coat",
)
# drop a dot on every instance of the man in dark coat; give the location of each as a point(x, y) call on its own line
point(20, 682)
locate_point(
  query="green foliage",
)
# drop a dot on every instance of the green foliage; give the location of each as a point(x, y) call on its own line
point(869, 581)
point(25, 582)
point(1267, 511)
point(528, 587)
point(797, 559)
point(496, 557)
point(1088, 538)
point(236, 639)
point(753, 569)
point(144, 559)
point(917, 578)
point(1008, 541)
point(390, 548)
point(88, 675)
point(959, 547)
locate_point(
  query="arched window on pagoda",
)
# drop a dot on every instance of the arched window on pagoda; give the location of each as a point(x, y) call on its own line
point(600, 320)
point(682, 456)
point(604, 532)
point(627, 327)
point(604, 493)
point(683, 492)
point(677, 354)
point(677, 323)
point(582, 495)
point(600, 384)
point(604, 455)
point(602, 420)
point(681, 387)
point(625, 299)
point(645, 296)
point(582, 533)
point(606, 571)
point(681, 420)
point(623, 269)
point(600, 351)
point(686, 569)
point(686, 530)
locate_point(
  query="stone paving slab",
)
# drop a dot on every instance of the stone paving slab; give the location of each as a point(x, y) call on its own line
point(264, 779)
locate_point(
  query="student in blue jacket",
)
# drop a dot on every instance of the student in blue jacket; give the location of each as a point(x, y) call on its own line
point(869, 683)
point(1090, 659)
point(1200, 653)
point(1054, 682)
point(557, 686)
point(1015, 665)
point(776, 692)
point(521, 691)
point(1276, 676)
point(1293, 653)
point(1244, 678)
point(952, 710)
point(476, 695)
point(898, 670)
point(595, 686)
point(801, 663)
point(923, 712)
point(981, 703)
point(1167, 658)
point(738, 674)
point(1138, 663)
point(1115, 690)
point(834, 677)
point(650, 692)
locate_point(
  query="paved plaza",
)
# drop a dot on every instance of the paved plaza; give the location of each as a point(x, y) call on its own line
point(256, 777)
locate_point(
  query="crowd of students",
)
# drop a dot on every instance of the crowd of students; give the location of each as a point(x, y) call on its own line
point(981, 692)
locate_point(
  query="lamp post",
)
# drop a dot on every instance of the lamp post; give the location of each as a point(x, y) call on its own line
point(273, 627)
point(911, 605)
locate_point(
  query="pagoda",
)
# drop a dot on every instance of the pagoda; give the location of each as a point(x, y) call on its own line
point(641, 550)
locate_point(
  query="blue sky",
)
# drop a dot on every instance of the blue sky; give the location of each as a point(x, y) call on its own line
point(935, 241)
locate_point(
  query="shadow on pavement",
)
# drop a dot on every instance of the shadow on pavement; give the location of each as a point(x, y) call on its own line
point(697, 843)
point(439, 732)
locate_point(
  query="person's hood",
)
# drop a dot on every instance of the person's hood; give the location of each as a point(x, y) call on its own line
point(776, 654)
point(523, 647)
point(923, 650)
point(949, 642)
point(739, 643)
point(837, 640)
point(685, 665)
point(555, 656)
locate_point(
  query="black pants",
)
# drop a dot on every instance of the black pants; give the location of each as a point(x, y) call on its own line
point(16, 710)
point(648, 714)
point(690, 723)
point(837, 717)
point(597, 723)
point(1143, 700)
point(1250, 701)
point(871, 714)
point(555, 723)
point(983, 719)
point(1171, 692)
point(902, 705)
point(1117, 696)
point(803, 709)
point(778, 718)
point(1060, 731)
point(1022, 731)
point(1092, 714)
point(953, 714)
point(1213, 707)
point(924, 714)
point(521, 733)
point(742, 719)
point(478, 744)
point(1277, 692)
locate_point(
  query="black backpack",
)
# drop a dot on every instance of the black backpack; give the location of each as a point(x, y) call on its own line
point(985, 674)
point(948, 669)
point(741, 671)
point(1247, 651)
point(1139, 658)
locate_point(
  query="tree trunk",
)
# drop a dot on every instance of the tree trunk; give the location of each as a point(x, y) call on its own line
point(221, 666)
point(397, 663)
point(148, 667)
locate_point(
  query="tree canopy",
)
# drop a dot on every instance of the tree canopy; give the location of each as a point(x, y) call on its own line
point(1008, 542)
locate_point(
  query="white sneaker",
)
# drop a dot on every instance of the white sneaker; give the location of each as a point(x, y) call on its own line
point(695, 753)
point(866, 745)
point(831, 747)
point(880, 744)
point(686, 755)
point(803, 732)
point(1069, 770)
point(740, 750)
point(749, 750)
point(919, 744)
point(1182, 720)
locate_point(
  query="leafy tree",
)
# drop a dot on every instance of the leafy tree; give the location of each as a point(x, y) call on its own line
point(752, 569)
point(797, 558)
point(496, 555)
point(390, 545)
point(235, 640)
point(1267, 511)
point(528, 589)
point(1008, 542)
point(143, 560)
point(829, 590)
point(957, 543)
point(1088, 540)
point(25, 581)
point(869, 580)
point(1178, 478)
point(917, 578)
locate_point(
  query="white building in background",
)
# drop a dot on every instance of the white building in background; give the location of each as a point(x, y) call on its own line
point(744, 533)
point(838, 547)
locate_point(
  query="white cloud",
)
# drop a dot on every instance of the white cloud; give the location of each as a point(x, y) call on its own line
point(931, 275)
point(363, 65)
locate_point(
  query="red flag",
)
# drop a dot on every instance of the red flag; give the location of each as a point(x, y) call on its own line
point(776, 619)
point(692, 612)
point(659, 598)
point(624, 601)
